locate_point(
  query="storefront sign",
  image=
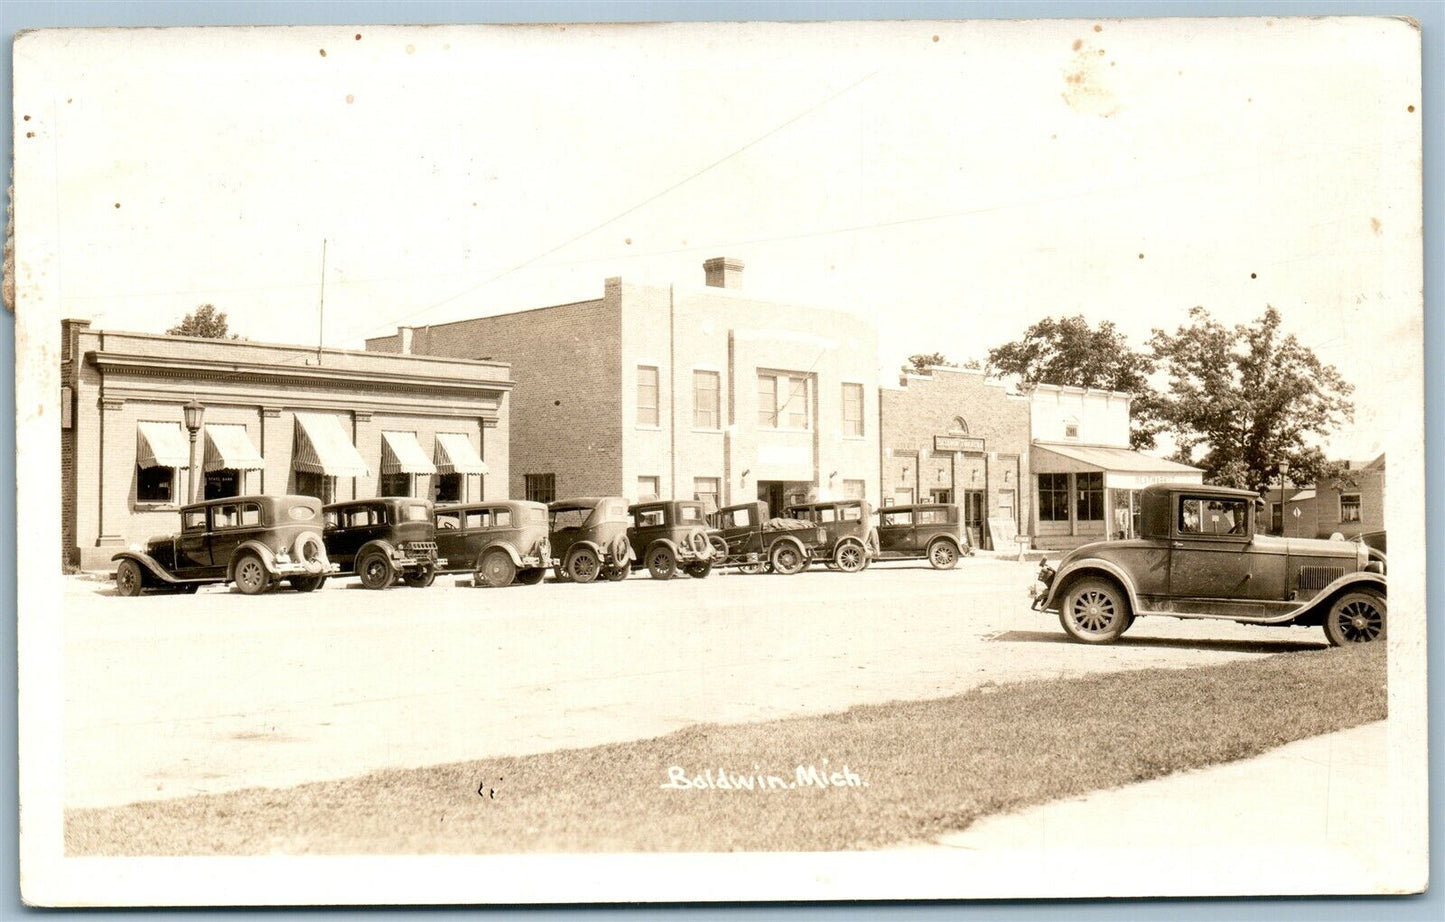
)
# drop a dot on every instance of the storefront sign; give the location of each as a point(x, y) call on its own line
point(956, 443)
point(1120, 480)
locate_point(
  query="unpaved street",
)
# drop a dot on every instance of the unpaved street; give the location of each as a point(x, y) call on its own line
point(173, 695)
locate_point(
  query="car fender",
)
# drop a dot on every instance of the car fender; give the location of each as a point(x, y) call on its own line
point(592, 546)
point(668, 543)
point(1358, 580)
point(957, 545)
point(1086, 567)
point(377, 544)
point(148, 563)
point(511, 552)
point(789, 539)
point(267, 555)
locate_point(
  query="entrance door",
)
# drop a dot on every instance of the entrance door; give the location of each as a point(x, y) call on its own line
point(1209, 556)
point(973, 515)
point(771, 492)
point(941, 496)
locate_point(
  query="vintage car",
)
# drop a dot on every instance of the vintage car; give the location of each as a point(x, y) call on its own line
point(930, 530)
point(500, 542)
point(852, 541)
point(253, 541)
point(669, 534)
point(748, 539)
point(1197, 556)
point(382, 540)
point(589, 538)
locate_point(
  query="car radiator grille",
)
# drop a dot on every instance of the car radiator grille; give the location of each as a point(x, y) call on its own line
point(1311, 578)
point(420, 548)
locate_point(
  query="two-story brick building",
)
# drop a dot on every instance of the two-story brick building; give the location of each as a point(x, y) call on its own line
point(679, 391)
point(333, 423)
point(1086, 478)
point(949, 435)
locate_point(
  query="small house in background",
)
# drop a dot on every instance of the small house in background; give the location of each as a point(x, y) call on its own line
point(1086, 477)
point(1349, 505)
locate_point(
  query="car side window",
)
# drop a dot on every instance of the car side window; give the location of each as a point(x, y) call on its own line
point(1190, 517)
point(826, 515)
point(195, 520)
point(447, 520)
point(851, 513)
point(932, 517)
point(898, 518)
point(740, 518)
point(250, 514)
point(537, 516)
point(477, 518)
point(225, 516)
point(359, 518)
point(502, 518)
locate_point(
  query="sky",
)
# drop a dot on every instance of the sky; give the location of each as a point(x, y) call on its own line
point(955, 182)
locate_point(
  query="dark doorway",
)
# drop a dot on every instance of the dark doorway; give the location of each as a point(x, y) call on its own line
point(780, 494)
point(973, 515)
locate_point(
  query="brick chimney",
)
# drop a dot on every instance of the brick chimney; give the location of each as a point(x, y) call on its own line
point(404, 337)
point(723, 272)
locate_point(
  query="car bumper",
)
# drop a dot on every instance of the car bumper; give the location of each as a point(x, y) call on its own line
point(296, 568)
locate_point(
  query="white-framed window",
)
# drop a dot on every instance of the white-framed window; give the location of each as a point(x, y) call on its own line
point(1053, 493)
point(155, 484)
point(647, 396)
point(708, 491)
point(706, 407)
point(648, 488)
point(853, 410)
point(784, 400)
point(1349, 507)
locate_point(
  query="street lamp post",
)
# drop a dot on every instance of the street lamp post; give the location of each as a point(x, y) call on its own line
point(195, 415)
point(1283, 473)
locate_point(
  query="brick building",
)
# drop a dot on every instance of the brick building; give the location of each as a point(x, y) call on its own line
point(1349, 505)
point(679, 392)
point(278, 419)
point(1086, 478)
point(951, 436)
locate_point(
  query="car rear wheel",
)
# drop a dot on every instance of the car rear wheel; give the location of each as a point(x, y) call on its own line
point(787, 559)
point(583, 565)
point(850, 557)
point(1356, 617)
point(618, 573)
point(698, 570)
point(376, 571)
point(129, 581)
point(496, 569)
point(1095, 611)
point(306, 583)
point(942, 554)
point(531, 576)
point(250, 575)
point(662, 562)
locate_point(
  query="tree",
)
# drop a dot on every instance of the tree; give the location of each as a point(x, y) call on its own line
point(1249, 397)
point(920, 363)
point(205, 321)
point(1069, 352)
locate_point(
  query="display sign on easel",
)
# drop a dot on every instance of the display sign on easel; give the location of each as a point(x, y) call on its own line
point(1003, 532)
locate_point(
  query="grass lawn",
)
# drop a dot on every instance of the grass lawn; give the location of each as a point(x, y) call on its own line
point(916, 769)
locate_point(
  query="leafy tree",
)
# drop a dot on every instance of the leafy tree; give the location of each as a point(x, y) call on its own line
point(1248, 397)
point(1069, 352)
point(920, 363)
point(205, 321)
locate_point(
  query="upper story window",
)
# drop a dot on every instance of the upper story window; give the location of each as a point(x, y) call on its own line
point(784, 401)
point(1349, 507)
point(647, 402)
point(705, 406)
point(540, 488)
point(1071, 429)
point(853, 409)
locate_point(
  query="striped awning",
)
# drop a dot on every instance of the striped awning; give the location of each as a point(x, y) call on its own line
point(455, 455)
point(229, 448)
point(323, 447)
point(161, 445)
point(400, 454)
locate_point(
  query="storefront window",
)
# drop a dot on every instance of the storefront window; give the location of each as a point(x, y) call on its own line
point(318, 485)
point(155, 484)
point(394, 485)
point(223, 483)
point(1053, 497)
point(449, 488)
point(1091, 496)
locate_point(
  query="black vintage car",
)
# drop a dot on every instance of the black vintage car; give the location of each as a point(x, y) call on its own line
point(671, 534)
point(1197, 556)
point(501, 542)
point(930, 530)
point(852, 541)
point(748, 539)
point(383, 539)
point(589, 538)
point(253, 541)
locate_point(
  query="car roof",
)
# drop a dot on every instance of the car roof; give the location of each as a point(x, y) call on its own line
point(375, 500)
point(1196, 489)
point(911, 506)
point(582, 502)
point(660, 503)
point(264, 498)
point(490, 504)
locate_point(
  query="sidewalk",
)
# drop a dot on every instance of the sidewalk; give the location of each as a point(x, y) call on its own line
point(1323, 792)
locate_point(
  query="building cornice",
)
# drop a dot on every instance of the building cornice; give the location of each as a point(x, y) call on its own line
point(150, 365)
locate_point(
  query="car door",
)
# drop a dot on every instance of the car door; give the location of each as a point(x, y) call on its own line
point(742, 530)
point(226, 535)
point(193, 544)
point(896, 531)
point(450, 541)
point(1210, 555)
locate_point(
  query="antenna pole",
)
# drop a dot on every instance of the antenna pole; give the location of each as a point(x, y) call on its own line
point(321, 313)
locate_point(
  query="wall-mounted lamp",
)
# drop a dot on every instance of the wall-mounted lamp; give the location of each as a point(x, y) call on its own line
point(832, 475)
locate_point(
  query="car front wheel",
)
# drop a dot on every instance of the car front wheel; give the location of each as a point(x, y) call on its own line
point(307, 583)
point(251, 576)
point(421, 578)
point(531, 576)
point(128, 578)
point(850, 557)
point(1356, 617)
point(1095, 611)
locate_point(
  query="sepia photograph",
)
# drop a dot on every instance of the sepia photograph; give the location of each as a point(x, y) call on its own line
point(730, 461)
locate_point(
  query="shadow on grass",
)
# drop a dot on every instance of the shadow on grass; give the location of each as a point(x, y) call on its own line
point(1175, 643)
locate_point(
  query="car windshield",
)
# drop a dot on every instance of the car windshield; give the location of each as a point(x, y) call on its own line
point(689, 513)
point(648, 518)
point(302, 512)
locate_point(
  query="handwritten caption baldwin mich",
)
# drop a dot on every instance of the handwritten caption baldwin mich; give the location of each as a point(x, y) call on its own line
point(804, 777)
